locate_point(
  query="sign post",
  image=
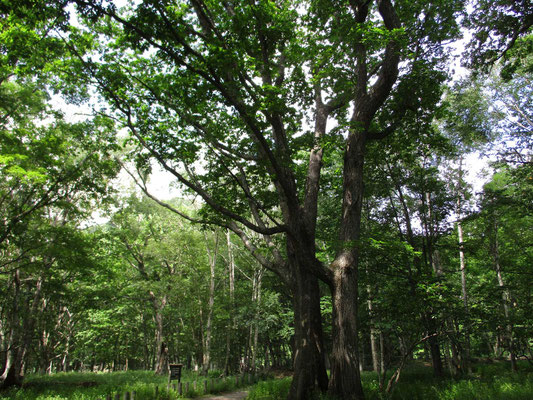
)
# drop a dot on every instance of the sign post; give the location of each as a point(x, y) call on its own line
point(174, 372)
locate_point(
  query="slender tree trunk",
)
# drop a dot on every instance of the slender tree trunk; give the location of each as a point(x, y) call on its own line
point(464, 294)
point(161, 351)
point(256, 298)
point(44, 362)
point(434, 260)
point(22, 340)
point(452, 357)
point(373, 332)
point(65, 359)
point(9, 377)
point(497, 346)
point(210, 305)
point(506, 296)
point(382, 365)
point(462, 267)
point(28, 326)
point(458, 351)
point(231, 323)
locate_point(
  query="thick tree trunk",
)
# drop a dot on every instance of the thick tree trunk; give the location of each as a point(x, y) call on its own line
point(345, 376)
point(345, 381)
point(436, 358)
point(309, 357)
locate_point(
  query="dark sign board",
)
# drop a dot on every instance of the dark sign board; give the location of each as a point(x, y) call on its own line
point(175, 371)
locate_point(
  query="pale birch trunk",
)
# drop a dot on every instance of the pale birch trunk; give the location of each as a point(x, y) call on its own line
point(212, 255)
point(64, 359)
point(256, 298)
point(373, 332)
point(161, 350)
point(231, 323)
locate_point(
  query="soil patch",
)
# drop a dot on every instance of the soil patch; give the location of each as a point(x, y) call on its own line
point(228, 396)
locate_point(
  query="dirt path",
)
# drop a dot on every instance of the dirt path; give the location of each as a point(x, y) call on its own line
point(228, 396)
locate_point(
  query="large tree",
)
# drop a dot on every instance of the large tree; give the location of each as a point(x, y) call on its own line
point(234, 99)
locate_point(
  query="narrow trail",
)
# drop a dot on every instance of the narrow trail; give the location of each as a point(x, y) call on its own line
point(228, 396)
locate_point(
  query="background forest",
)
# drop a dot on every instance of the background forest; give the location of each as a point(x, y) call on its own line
point(272, 257)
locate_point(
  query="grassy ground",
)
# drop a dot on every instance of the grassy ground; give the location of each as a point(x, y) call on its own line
point(488, 382)
point(93, 386)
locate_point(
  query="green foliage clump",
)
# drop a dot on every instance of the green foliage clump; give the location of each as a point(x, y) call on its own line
point(271, 389)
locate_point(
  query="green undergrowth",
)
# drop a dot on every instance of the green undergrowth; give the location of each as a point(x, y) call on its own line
point(494, 381)
point(271, 389)
point(488, 382)
point(93, 386)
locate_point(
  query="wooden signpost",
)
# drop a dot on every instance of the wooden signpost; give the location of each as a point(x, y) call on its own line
point(174, 372)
